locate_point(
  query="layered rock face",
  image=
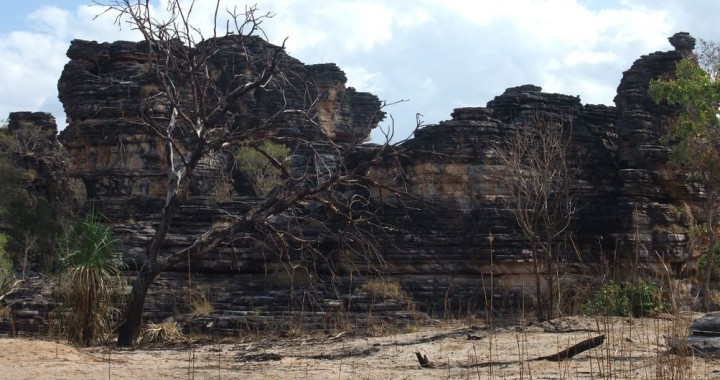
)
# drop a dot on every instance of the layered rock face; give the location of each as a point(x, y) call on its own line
point(467, 246)
point(655, 204)
point(37, 151)
point(634, 210)
point(457, 252)
point(104, 86)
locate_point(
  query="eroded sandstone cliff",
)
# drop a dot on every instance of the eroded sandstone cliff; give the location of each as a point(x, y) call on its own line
point(457, 252)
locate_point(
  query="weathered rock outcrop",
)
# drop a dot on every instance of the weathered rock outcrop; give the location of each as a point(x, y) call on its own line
point(458, 252)
point(634, 210)
point(469, 233)
point(104, 86)
point(654, 203)
point(37, 151)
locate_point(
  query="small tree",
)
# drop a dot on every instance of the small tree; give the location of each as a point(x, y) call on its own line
point(538, 177)
point(694, 135)
point(197, 113)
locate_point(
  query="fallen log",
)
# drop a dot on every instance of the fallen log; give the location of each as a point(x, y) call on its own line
point(571, 351)
point(423, 360)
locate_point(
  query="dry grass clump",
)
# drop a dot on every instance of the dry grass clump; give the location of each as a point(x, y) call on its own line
point(200, 303)
point(161, 333)
point(384, 290)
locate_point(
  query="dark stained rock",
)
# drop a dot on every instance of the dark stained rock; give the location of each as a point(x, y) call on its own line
point(682, 41)
point(38, 152)
point(458, 252)
point(704, 338)
point(104, 86)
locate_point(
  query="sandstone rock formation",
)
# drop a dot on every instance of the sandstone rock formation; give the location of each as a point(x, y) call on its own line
point(37, 151)
point(104, 85)
point(456, 253)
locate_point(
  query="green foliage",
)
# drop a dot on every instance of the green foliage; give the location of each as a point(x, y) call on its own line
point(641, 298)
point(30, 223)
point(3, 241)
point(263, 164)
point(8, 284)
point(703, 262)
point(7, 273)
point(28, 139)
point(607, 301)
point(90, 279)
point(695, 134)
point(646, 298)
point(5, 263)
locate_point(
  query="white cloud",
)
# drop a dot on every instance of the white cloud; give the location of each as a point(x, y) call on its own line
point(26, 79)
point(439, 54)
point(362, 79)
point(50, 20)
point(33, 58)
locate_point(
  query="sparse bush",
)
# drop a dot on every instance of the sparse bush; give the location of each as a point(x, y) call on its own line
point(646, 298)
point(384, 290)
point(641, 298)
point(289, 275)
point(200, 303)
point(608, 300)
point(149, 90)
point(703, 260)
point(259, 169)
point(28, 221)
point(7, 273)
point(6, 266)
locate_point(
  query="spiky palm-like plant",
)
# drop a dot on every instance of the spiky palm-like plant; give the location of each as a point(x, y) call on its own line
point(90, 275)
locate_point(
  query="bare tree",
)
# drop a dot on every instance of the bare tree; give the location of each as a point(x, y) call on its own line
point(538, 178)
point(198, 115)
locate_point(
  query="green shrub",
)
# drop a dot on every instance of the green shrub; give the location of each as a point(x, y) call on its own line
point(702, 262)
point(30, 222)
point(646, 298)
point(7, 273)
point(641, 298)
point(263, 175)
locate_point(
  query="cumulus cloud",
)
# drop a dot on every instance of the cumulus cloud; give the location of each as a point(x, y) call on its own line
point(438, 54)
point(33, 57)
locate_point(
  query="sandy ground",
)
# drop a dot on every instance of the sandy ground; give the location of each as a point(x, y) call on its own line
point(633, 349)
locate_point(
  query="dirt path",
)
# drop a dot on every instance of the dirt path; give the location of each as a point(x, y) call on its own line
point(633, 349)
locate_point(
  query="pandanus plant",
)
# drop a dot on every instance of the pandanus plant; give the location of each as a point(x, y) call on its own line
point(90, 277)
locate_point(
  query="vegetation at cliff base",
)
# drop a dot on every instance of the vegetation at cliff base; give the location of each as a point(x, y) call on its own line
point(638, 298)
point(694, 135)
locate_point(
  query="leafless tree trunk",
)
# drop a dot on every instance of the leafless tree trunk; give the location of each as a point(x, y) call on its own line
point(196, 117)
point(538, 179)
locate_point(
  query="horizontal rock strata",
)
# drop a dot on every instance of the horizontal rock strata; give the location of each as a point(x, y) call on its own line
point(458, 252)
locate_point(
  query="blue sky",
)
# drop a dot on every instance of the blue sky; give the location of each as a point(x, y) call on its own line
point(437, 54)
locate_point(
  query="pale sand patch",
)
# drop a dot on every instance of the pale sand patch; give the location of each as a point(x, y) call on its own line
point(634, 349)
